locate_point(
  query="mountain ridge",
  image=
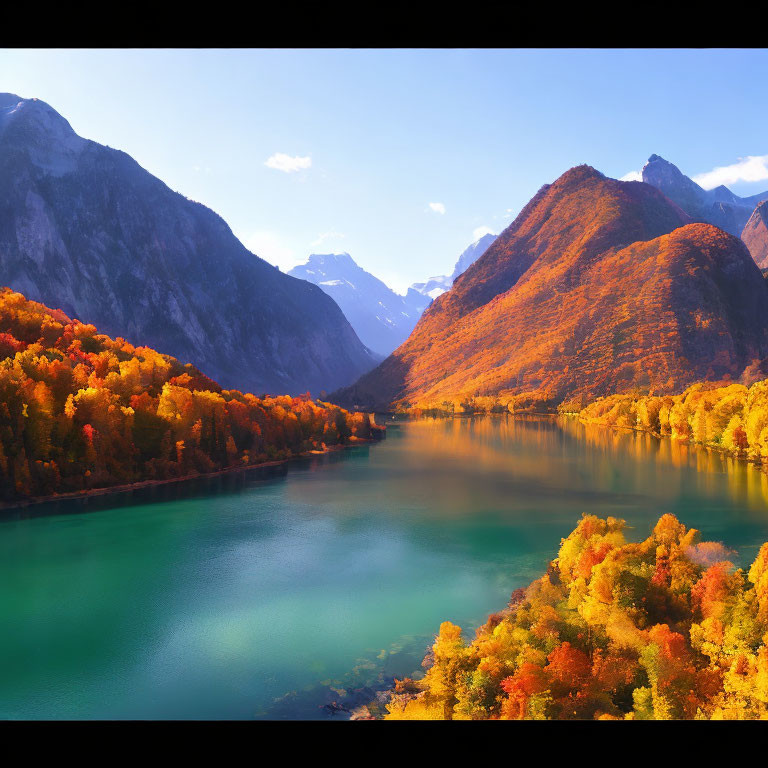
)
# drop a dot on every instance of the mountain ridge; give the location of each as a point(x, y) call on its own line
point(382, 318)
point(86, 228)
point(719, 206)
point(755, 234)
point(597, 286)
point(439, 284)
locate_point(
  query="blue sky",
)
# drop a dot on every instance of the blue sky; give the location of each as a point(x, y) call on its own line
point(371, 138)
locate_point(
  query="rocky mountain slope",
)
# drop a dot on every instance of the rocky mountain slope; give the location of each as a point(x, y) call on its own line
point(718, 206)
point(755, 235)
point(83, 227)
point(598, 286)
point(471, 254)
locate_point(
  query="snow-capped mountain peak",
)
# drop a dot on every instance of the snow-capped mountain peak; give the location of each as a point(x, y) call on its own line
point(381, 318)
point(435, 286)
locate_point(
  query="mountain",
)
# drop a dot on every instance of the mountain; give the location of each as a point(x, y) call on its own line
point(718, 206)
point(85, 228)
point(598, 286)
point(755, 235)
point(432, 287)
point(381, 318)
point(416, 300)
point(472, 254)
point(435, 286)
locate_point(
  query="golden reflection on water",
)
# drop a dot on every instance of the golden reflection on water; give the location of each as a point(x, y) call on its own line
point(562, 452)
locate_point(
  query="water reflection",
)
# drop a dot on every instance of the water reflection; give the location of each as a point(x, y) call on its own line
point(555, 453)
point(261, 593)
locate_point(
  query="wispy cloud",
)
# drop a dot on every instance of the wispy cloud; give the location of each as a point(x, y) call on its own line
point(478, 232)
point(287, 163)
point(632, 176)
point(437, 208)
point(751, 168)
point(331, 234)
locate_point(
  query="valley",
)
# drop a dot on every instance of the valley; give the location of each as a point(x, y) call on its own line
point(432, 410)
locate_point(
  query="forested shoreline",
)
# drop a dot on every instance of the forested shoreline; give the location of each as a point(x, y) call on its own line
point(730, 417)
point(80, 411)
point(667, 628)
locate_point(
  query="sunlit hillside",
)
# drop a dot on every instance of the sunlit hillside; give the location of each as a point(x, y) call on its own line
point(79, 410)
point(598, 287)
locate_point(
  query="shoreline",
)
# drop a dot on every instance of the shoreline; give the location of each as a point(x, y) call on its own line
point(139, 484)
point(759, 463)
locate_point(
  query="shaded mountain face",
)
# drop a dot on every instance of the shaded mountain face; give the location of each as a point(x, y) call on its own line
point(83, 227)
point(718, 206)
point(416, 300)
point(381, 318)
point(436, 286)
point(755, 235)
point(598, 286)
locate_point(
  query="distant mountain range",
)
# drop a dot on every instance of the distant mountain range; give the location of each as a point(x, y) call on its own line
point(83, 227)
point(435, 286)
point(718, 206)
point(381, 318)
point(598, 286)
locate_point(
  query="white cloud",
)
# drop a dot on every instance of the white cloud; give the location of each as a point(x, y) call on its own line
point(751, 168)
point(632, 176)
point(478, 232)
point(437, 208)
point(270, 247)
point(288, 164)
point(331, 234)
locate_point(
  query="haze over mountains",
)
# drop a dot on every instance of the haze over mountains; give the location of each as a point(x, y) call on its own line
point(435, 286)
point(381, 318)
point(598, 286)
point(84, 228)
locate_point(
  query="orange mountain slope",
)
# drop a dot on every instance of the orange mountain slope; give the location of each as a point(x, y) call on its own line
point(598, 286)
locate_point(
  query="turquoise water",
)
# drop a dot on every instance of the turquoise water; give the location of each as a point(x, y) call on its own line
point(271, 593)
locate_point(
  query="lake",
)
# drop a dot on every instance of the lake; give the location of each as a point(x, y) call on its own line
point(270, 593)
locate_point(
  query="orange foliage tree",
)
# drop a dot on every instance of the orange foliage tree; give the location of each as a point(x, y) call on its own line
point(656, 630)
point(79, 410)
